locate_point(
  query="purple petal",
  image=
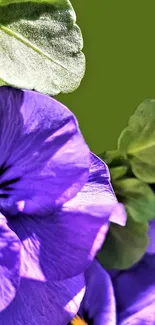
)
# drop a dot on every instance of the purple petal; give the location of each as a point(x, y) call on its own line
point(113, 273)
point(99, 301)
point(60, 246)
point(64, 244)
point(9, 264)
point(135, 293)
point(51, 303)
point(43, 157)
point(100, 187)
point(119, 215)
point(151, 233)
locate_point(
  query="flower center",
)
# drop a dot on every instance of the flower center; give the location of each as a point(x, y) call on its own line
point(78, 321)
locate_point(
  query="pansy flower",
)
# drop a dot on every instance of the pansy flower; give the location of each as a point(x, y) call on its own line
point(56, 202)
point(125, 298)
point(120, 297)
point(128, 297)
point(98, 306)
point(135, 293)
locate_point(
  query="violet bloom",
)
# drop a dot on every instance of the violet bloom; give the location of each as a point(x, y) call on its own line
point(55, 206)
point(121, 297)
point(127, 298)
point(98, 306)
point(135, 293)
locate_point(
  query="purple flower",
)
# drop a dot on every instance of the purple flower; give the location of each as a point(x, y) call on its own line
point(121, 297)
point(135, 293)
point(55, 206)
point(126, 298)
point(98, 306)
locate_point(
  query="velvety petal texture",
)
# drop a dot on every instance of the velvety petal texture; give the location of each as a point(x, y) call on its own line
point(38, 303)
point(98, 305)
point(58, 202)
point(9, 264)
point(43, 157)
point(135, 293)
point(64, 244)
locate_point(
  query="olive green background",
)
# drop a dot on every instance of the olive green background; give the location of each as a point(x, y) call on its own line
point(119, 44)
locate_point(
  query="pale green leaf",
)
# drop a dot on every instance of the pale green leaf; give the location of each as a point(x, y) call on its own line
point(137, 141)
point(6, 2)
point(40, 47)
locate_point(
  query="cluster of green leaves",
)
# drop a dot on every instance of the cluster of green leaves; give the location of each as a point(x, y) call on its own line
point(132, 169)
point(40, 46)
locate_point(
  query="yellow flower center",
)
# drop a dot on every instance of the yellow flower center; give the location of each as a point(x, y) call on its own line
point(78, 321)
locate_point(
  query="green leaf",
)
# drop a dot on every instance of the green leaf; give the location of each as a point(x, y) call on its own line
point(6, 2)
point(112, 158)
point(137, 141)
point(118, 172)
point(138, 198)
point(40, 47)
point(124, 246)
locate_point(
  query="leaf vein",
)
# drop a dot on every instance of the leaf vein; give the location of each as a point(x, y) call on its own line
point(29, 44)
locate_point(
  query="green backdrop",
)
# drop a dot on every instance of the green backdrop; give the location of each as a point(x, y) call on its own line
point(119, 44)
